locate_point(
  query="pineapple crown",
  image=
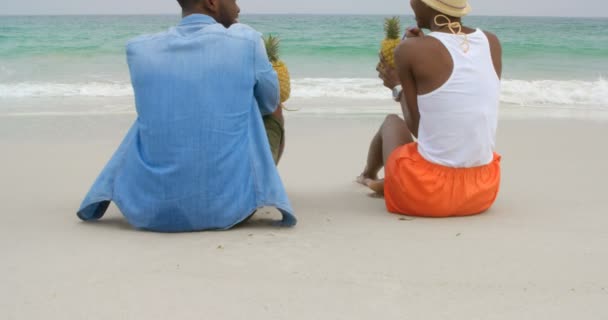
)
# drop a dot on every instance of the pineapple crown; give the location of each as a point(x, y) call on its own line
point(392, 27)
point(272, 47)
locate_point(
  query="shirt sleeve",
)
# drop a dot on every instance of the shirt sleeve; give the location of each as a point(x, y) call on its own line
point(266, 88)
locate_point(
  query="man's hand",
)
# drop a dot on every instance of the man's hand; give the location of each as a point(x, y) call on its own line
point(388, 74)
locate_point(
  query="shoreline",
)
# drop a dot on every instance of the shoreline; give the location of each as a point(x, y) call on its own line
point(306, 108)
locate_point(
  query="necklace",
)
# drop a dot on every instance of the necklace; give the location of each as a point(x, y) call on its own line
point(455, 28)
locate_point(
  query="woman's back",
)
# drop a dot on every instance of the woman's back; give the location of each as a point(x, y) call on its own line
point(458, 120)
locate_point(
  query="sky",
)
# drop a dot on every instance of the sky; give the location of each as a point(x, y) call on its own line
point(571, 8)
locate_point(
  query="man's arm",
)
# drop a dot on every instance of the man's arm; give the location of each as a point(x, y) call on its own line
point(405, 57)
point(266, 88)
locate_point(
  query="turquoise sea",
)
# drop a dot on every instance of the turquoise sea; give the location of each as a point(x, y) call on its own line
point(548, 62)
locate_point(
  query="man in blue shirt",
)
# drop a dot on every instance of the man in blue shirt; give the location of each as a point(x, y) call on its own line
point(197, 157)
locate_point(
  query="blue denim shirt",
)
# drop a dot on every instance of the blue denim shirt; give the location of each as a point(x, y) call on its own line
point(197, 157)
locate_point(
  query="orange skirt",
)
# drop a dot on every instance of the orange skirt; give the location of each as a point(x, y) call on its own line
point(415, 186)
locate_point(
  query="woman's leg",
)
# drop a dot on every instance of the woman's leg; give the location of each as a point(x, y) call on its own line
point(392, 134)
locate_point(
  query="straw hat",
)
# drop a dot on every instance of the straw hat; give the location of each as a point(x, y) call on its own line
point(454, 8)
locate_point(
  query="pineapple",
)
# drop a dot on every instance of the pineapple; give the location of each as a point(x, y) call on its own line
point(392, 28)
point(272, 49)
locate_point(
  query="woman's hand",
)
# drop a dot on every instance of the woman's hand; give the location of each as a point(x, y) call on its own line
point(388, 74)
point(413, 32)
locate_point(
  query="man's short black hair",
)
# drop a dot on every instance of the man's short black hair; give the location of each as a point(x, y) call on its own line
point(188, 4)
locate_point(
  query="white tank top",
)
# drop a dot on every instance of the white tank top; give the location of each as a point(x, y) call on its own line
point(458, 120)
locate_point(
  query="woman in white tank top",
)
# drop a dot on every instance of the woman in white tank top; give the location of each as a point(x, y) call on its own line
point(450, 97)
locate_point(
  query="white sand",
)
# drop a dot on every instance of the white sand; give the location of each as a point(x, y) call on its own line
point(540, 253)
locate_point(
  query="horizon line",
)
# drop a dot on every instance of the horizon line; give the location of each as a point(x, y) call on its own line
point(285, 14)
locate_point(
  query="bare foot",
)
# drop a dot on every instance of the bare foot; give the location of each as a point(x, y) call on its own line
point(376, 185)
point(361, 179)
point(365, 176)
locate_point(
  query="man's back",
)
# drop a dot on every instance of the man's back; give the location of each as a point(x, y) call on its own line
point(194, 93)
point(197, 157)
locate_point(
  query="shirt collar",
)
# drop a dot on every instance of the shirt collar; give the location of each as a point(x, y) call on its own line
point(197, 18)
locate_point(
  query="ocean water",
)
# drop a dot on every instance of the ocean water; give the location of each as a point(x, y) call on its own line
point(76, 64)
